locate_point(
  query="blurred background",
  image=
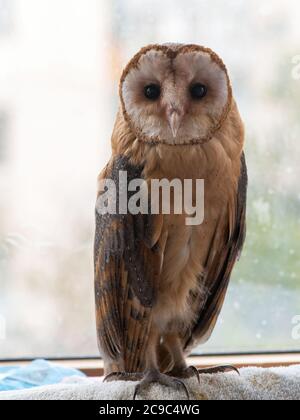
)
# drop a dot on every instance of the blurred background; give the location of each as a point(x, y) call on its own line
point(60, 61)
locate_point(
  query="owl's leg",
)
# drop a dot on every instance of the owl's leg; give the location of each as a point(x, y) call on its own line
point(180, 368)
point(152, 375)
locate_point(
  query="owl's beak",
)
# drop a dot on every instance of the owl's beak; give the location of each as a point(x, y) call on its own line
point(174, 116)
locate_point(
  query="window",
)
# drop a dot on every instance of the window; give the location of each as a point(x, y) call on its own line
point(5, 15)
point(61, 84)
point(3, 136)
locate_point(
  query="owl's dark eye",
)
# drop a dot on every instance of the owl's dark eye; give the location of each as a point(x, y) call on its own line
point(198, 91)
point(152, 92)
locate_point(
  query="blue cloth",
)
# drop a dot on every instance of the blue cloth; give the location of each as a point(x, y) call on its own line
point(37, 373)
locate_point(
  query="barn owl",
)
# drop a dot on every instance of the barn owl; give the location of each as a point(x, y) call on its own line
point(159, 283)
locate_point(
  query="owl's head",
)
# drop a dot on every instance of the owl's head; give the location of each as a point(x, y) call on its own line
point(175, 94)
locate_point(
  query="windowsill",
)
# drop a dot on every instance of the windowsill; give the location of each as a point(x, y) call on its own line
point(94, 367)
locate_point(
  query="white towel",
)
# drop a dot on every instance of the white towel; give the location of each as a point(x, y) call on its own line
point(252, 384)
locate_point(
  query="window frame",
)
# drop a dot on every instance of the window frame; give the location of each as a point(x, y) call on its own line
point(93, 367)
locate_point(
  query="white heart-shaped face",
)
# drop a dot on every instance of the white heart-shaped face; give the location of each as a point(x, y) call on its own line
point(175, 96)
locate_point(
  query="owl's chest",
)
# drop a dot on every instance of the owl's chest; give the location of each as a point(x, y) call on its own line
point(183, 263)
point(187, 246)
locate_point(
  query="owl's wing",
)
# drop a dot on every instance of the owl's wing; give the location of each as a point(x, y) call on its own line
point(222, 256)
point(127, 261)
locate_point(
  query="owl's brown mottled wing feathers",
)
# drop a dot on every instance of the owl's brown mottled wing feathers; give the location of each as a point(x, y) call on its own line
point(127, 260)
point(221, 259)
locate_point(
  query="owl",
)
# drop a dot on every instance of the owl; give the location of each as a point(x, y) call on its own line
point(160, 283)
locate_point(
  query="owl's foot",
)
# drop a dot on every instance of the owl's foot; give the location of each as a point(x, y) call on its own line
point(185, 373)
point(155, 377)
point(189, 372)
point(123, 376)
point(218, 369)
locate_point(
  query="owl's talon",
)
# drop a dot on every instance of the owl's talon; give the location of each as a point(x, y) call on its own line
point(218, 369)
point(136, 391)
point(154, 377)
point(196, 372)
point(109, 376)
point(123, 376)
point(183, 385)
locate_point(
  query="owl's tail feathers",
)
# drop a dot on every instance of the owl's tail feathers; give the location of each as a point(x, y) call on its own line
point(121, 365)
point(164, 358)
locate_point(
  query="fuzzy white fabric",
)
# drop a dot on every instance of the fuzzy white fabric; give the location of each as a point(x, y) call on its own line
point(252, 384)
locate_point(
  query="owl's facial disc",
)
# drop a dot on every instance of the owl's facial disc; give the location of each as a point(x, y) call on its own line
point(175, 98)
